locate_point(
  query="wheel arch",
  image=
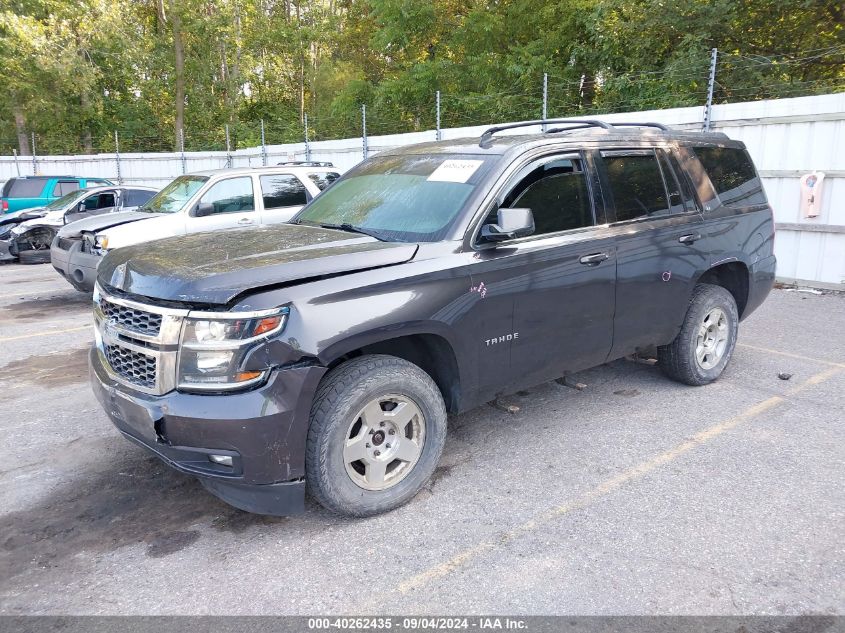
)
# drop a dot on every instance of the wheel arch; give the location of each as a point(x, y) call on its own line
point(431, 352)
point(734, 276)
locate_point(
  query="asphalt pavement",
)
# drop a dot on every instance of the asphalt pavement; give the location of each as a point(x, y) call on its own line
point(636, 495)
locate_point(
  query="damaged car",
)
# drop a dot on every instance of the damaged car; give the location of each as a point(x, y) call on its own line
point(194, 203)
point(324, 354)
point(27, 235)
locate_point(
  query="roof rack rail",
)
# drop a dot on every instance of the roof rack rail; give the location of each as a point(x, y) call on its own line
point(305, 163)
point(487, 136)
point(659, 126)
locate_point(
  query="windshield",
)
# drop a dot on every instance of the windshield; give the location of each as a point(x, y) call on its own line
point(406, 198)
point(174, 196)
point(66, 200)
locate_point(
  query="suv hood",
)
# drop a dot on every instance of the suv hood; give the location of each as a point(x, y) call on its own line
point(104, 221)
point(214, 268)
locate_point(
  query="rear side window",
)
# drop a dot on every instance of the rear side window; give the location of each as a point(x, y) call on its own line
point(282, 190)
point(323, 180)
point(24, 188)
point(733, 175)
point(636, 183)
point(64, 187)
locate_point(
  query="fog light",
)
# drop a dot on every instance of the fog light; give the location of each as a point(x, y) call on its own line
point(223, 460)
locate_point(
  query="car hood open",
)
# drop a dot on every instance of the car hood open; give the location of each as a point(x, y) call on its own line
point(214, 268)
point(103, 221)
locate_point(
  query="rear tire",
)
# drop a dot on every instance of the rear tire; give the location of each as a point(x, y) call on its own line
point(378, 426)
point(705, 344)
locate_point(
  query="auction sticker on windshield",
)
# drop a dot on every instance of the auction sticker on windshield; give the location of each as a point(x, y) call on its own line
point(455, 170)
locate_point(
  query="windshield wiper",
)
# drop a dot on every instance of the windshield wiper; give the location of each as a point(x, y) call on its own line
point(345, 226)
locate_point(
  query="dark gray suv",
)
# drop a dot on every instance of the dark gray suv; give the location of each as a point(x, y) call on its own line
point(326, 353)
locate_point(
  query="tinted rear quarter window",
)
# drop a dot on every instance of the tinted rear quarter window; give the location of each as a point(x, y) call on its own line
point(24, 188)
point(733, 175)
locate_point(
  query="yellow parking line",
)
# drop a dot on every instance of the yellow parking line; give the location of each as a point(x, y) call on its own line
point(614, 483)
point(45, 333)
point(791, 355)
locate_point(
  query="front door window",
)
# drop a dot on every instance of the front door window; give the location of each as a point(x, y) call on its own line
point(233, 195)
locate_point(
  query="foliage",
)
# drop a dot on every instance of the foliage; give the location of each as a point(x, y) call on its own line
point(75, 71)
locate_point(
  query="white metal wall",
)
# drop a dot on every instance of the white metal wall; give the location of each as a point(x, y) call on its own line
point(786, 138)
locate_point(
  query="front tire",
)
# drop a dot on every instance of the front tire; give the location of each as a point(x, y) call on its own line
point(705, 344)
point(378, 426)
point(34, 257)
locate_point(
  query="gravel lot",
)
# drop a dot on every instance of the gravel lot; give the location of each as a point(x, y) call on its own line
point(634, 496)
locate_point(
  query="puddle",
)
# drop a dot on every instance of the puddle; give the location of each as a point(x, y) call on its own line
point(49, 370)
point(135, 500)
point(48, 308)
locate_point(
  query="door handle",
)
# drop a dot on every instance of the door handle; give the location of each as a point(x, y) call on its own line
point(594, 259)
point(245, 221)
point(689, 238)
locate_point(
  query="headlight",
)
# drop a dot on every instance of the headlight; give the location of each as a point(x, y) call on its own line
point(101, 243)
point(214, 347)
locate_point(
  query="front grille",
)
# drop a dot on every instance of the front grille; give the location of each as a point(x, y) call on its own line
point(64, 243)
point(138, 342)
point(134, 367)
point(131, 319)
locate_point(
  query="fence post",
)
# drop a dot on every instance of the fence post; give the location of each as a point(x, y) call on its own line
point(307, 144)
point(117, 158)
point(710, 85)
point(545, 98)
point(34, 159)
point(182, 149)
point(17, 166)
point(263, 146)
point(364, 130)
point(438, 134)
point(228, 148)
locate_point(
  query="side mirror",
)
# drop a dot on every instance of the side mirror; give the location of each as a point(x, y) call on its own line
point(511, 223)
point(203, 209)
point(80, 208)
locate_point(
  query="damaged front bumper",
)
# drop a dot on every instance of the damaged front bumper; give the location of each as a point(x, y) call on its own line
point(77, 267)
point(6, 249)
point(263, 431)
